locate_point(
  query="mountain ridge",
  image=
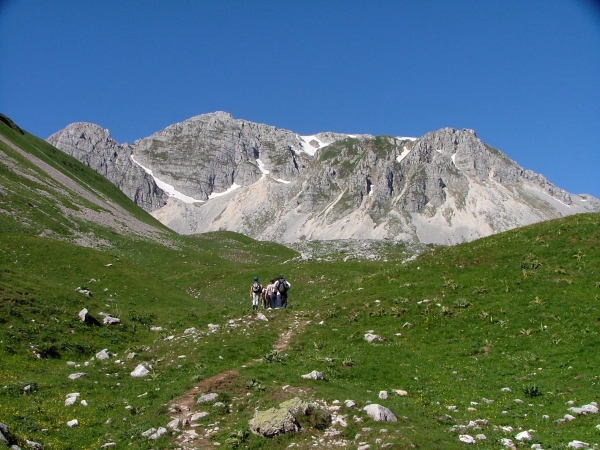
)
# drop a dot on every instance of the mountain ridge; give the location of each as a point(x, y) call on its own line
point(214, 172)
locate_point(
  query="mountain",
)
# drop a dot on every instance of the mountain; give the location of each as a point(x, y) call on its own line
point(215, 172)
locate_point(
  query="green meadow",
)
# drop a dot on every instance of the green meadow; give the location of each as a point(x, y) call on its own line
point(456, 327)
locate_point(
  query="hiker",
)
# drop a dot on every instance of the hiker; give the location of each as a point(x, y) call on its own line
point(281, 288)
point(263, 297)
point(269, 294)
point(255, 291)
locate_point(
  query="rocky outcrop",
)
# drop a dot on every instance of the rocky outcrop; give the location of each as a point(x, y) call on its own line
point(224, 173)
point(284, 419)
point(93, 146)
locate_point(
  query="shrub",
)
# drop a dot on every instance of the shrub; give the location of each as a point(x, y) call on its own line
point(532, 390)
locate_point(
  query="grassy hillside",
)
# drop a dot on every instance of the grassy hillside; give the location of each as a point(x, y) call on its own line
point(519, 310)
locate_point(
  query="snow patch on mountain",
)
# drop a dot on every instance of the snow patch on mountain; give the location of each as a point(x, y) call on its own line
point(168, 188)
point(310, 144)
point(233, 187)
point(404, 154)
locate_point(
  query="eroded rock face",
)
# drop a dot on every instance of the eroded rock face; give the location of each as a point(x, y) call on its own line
point(445, 187)
point(93, 146)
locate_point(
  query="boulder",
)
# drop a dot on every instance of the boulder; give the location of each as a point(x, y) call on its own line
point(314, 375)
point(140, 371)
point(380, 413)
point(207, 398)
point(70, 399)
point(467, 439)
point(74, 376)
point(272, 422)
point(103, 354)
point(83, 314)
point(109, 320)
point(281, 420)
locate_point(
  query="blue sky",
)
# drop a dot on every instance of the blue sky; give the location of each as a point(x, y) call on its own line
point(524, 74)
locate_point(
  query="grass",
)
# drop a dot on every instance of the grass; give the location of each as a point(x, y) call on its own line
point(518, 310)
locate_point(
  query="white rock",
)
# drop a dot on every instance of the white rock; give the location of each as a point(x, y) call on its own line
point(363, 447)
point(451, 408)
point(481, 437)
point(198, 416)
point(545, 417)
point(523, 436)
point(108, 444)
point(140, 371)
point(350, 403)
point(72, 423)
point(506, 389)
point(74, 376)
point(536, 447)
point(314, 375)
point(467, 439)
point(261, 316)
point(585, 409)
point(84, 403)
point(401, 392)
point(71, 398)
point(507, 429)
point(83, 314)
point(569, 417)
point(519, 401)
point(173, 424)
point(207, 398)
point(157, 434)
point(103, 354)
point(578, 444)
point(148, 432)
point(371, 337)
point(508, 443)
point(189, 330)
point(380, 413)
point(156, 328)
point(383, 395)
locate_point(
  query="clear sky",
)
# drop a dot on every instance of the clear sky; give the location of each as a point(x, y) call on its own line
point(524, 74)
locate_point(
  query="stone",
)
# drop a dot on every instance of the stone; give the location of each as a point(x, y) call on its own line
point(383, 395)
point(349, 403)
point(140, 371)
point(131, 355)
point(83, 403)
point(103, 354)
point(74, 376)
point(197, 416)
point(34, 445)
point(156, 328)
point(467, 439)
point(585, 409)
point(4, 433)
point(158, 433)
point(481, 437)
point(149, 432)
point(205, 398)
point(507, 443)
point(272, 422)
point(314, 375)
point(506, 389)
point(400, 392)
point(369, 337)
point(523, 436)
point(569, 417)
point(109, 320)
point(380, 413)
point(578, 444)
point(261, 316)
point(108, 444)
point(72, 423)
point(173, 424)
point(536, 447)
point(189, 330)
point(70, 399)
point(83, 314)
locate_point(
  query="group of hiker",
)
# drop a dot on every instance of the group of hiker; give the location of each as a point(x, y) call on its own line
point(273, 295)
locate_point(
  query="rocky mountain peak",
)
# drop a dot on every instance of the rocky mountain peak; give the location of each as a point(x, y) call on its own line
point(269, 183)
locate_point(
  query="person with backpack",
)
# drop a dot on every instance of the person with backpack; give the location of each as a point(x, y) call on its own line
point(270, 294)
point(255, 291)
point(282, 287)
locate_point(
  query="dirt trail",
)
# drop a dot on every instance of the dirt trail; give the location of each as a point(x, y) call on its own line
point(183, 408)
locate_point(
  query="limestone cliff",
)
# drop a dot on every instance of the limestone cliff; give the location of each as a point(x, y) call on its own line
point(217, 172)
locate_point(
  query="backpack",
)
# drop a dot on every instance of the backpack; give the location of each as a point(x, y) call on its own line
point(282, 286)
point(256, 287)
